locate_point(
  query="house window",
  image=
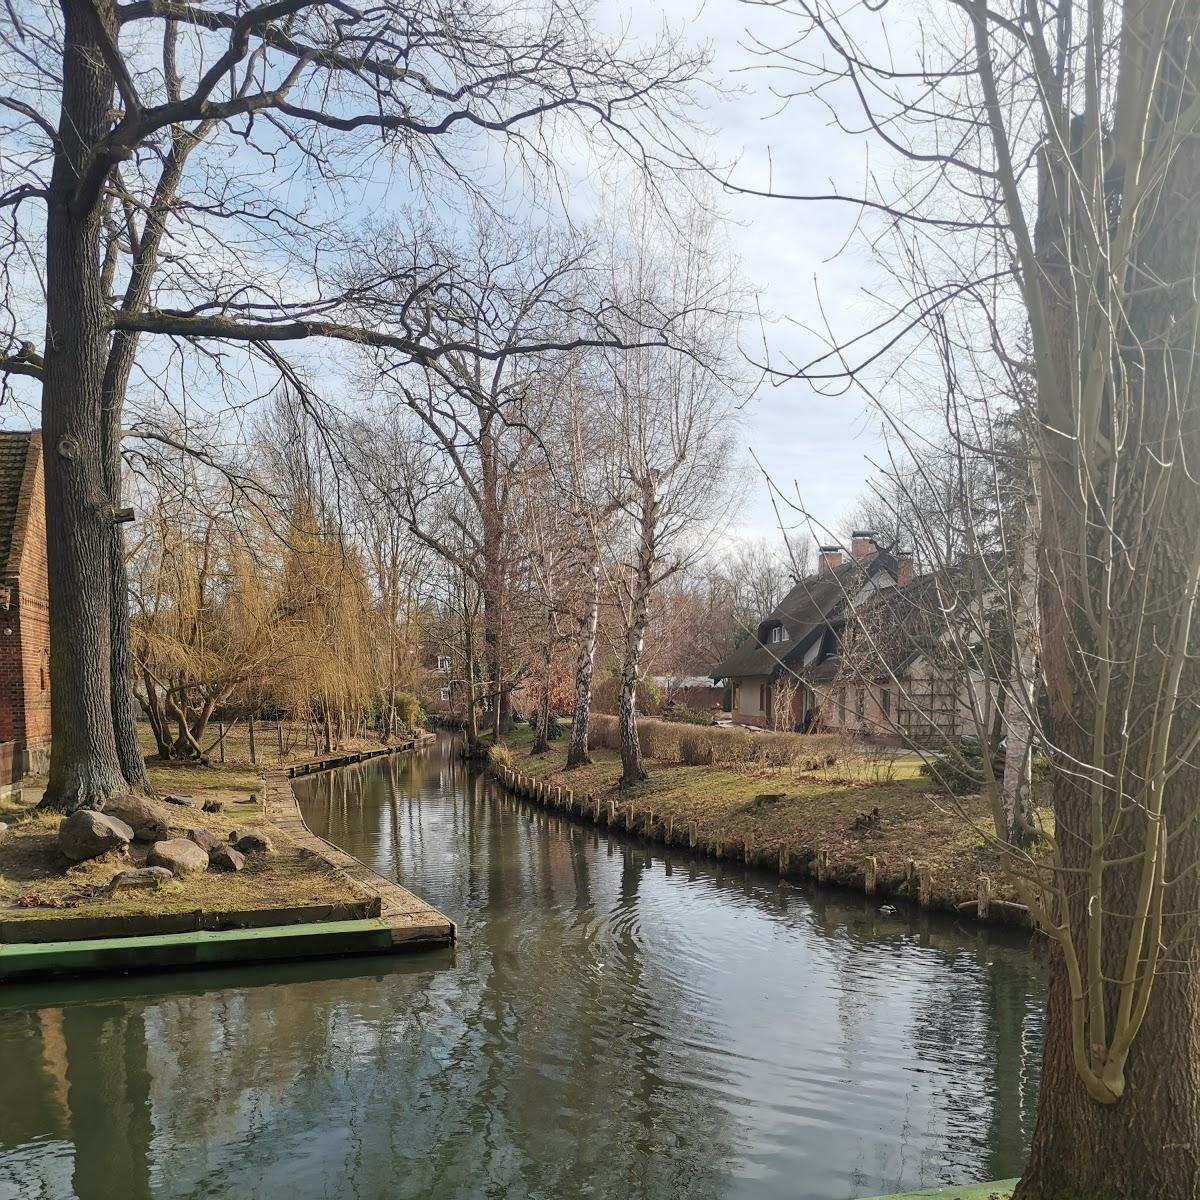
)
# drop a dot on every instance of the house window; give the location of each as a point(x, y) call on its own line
point(778, 634)
point(443, 663)
point(860, 710)
point(841, 705)
point(445, 695)
point(885, 703)
point(762, 697)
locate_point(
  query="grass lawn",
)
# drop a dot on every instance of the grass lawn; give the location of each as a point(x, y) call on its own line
point(809, 811)
point(37, 882)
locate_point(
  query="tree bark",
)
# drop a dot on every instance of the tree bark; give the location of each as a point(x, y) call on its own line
point(1134, 582)
point(632, 769)
point(1021, 697)
point(541, 727)
point(85, 767)
point(577, 752)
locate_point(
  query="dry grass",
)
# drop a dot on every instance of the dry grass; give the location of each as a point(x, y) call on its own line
point(31, 866)
point(808, 811)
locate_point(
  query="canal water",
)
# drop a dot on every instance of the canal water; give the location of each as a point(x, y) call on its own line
point(615, 1022)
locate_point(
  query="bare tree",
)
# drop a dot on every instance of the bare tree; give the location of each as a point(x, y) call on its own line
point(1054, 158)
point(307, 84)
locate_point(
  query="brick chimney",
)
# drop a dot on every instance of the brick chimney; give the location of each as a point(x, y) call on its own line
point(830, 560)
point(904, 568)
point(862, 544)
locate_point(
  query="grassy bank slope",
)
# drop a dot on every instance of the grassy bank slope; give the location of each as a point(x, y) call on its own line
point(804, 806)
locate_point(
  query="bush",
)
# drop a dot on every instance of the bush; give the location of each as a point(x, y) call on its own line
point(718, 745)
point(683, 715)
point(500, 758)
point(408, 711)
point(960, 770)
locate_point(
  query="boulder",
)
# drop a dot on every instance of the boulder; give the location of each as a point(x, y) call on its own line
point(226, 858)
point(88, 834)
point(148, 820)
point(206, 840)
point(179, 856)
point(145, 877)
point(249, 842)
point(213, 806)
point(182, 801)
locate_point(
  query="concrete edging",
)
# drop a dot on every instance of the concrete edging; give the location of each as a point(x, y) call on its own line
point(25, 961)
point(386, 918)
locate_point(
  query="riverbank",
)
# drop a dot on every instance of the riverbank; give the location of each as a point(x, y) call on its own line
point(1000, 1190)
point(875, 828)
point(298, 881)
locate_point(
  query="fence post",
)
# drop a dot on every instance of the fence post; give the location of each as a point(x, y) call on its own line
point(870, 875)
point(253, 755)
point(747, 849)
point(693, 835)
point(785, 856)
point(984, 907)
point(925, 888)
point(822, 865)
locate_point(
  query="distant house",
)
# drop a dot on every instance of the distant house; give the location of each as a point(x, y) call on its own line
point(692, 691)
point(24, 610)
point(860, 646)
point(770, 671)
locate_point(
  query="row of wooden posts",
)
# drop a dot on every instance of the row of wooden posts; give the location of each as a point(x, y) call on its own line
point(919, 880)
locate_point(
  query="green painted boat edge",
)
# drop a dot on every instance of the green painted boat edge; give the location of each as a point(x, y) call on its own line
point(202, 948)
point(966, 1191)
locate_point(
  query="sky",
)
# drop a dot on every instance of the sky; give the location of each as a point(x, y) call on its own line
point(802, 263)
point(801, 260)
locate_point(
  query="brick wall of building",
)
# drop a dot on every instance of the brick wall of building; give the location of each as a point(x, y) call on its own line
point(25, 625)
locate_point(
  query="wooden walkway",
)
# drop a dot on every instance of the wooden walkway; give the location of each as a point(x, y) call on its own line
point(411, 920)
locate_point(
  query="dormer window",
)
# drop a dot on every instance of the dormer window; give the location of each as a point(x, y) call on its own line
point(777, 634)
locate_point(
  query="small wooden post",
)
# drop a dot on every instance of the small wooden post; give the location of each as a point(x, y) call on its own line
point(747, 849)
point(984, 908)
point(822, 865)
point(612, 812)
point(221, 743)
point(925, 888)
point(910, 875)
point(785, 858)
point(693, 834)
point(253, 755)
point(670, 830)
point(870, 874)
point(279, 731)
point(719, 848)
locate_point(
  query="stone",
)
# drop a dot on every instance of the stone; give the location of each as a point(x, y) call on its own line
point(88, 834)
point(213, 806)
point(182, 801)
point(144, 877)
point(206, 840)
point(249, 842)
point(148, 820)
point(3, 830)
point(253, 798)
point(179, 856)
point(226, 858)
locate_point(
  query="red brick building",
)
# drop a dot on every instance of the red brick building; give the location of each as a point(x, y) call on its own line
point(24, 609)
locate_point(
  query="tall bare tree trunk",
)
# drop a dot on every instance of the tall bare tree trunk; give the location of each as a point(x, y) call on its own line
point(1020, 699)
point(577, 752)
point(541, 725)
point(1129, 597)
point(84, 764)
point(632, 769)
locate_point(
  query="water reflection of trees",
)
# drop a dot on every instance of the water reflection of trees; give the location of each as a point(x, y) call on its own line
point(558, 1055)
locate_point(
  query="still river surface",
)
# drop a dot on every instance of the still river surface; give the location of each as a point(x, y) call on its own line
point(615, 1022)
